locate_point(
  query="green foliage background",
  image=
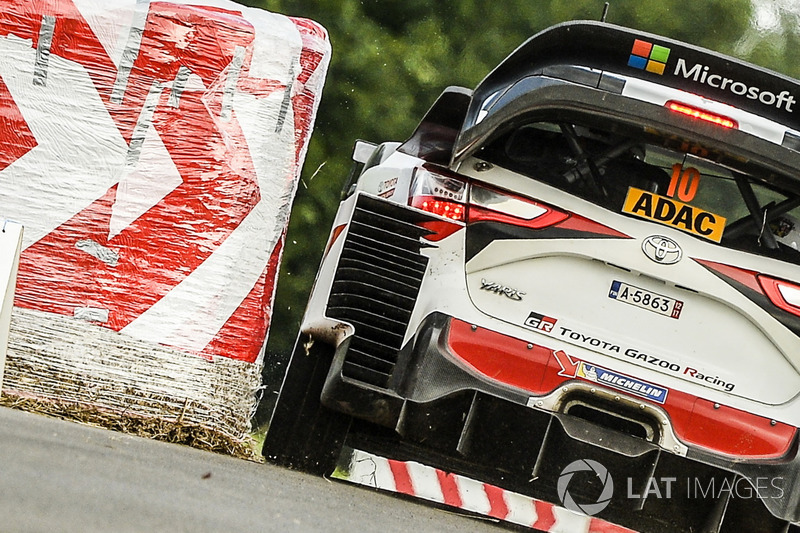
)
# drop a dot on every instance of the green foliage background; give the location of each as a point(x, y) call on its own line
point(391, 60)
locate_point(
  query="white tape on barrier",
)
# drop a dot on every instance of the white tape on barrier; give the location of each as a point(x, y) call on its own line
point(10, 246)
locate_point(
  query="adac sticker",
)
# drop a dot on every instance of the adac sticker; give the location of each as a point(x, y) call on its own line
point(610, 378)
point(678, 215)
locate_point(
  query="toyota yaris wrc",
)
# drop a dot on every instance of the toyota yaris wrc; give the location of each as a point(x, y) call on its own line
point(591, 259)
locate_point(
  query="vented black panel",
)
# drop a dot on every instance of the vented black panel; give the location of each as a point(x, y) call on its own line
point(376, 285)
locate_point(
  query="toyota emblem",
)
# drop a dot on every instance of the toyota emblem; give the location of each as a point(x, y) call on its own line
point(662, 250)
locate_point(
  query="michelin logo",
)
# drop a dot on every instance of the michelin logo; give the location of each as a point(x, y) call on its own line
point(700, 73)
point(619, 381)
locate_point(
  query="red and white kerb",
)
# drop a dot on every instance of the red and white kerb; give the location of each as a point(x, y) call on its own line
point(431, 484)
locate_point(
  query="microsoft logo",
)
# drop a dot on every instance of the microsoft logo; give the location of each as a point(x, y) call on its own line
point(649, 57)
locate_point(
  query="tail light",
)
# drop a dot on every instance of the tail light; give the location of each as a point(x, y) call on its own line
point(440, 194)
point(782, 293)
point(451, 196)
point(496, 206)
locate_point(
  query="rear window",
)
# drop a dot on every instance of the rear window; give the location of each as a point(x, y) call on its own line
point(714, 195)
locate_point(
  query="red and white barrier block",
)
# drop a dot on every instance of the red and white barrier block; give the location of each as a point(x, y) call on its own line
point(431, 484)
point(152, 151)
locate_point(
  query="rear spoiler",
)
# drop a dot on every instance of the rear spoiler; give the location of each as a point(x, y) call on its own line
point(600, 50)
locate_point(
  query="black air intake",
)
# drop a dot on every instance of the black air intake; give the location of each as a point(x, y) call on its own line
point(376, 285)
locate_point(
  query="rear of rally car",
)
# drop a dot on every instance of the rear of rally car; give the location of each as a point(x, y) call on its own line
point(578, 284)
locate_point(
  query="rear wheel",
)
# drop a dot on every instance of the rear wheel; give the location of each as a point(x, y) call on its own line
point(303, 434)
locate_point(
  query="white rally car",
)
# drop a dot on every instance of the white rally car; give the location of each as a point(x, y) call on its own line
point(590, 262)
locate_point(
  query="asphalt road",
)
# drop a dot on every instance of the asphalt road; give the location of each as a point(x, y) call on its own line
point(61, 476)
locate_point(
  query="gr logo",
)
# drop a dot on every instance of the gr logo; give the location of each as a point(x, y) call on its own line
point(585, 465)
point(540, 322)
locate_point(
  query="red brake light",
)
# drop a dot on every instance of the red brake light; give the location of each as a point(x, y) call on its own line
point(442, 208)
point(702, 114)
point(782, 293)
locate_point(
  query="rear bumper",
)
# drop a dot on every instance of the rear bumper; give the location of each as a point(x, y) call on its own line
point(445, 414)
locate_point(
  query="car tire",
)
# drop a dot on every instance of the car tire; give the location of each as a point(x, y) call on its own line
point(303, 434)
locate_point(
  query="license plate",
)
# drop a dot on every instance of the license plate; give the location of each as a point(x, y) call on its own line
point(644, 299)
